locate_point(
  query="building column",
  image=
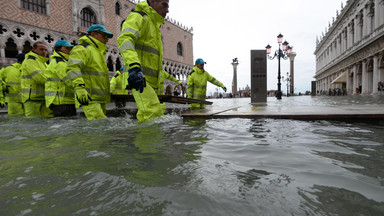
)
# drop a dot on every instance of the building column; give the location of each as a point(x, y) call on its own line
point(375, 74)
point(355, 81)
point(365, 22)
point(234, 81)
point(377, 14)
point(364, 77)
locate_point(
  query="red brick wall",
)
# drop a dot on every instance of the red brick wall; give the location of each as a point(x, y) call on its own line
point(59, 15)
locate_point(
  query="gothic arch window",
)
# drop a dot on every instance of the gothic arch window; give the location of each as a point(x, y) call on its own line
point(10, 48)
point(39, 6)
point(27, 47)
point(117, 8)
point(179, 49)
point(87, 17)
point(110, 64)
point(118, 64)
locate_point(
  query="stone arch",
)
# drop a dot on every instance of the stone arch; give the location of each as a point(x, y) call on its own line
point(381, 61)
point(80, 14)
point(27, 46)
point(11, 48)
point(110, 63)
point(168, 90)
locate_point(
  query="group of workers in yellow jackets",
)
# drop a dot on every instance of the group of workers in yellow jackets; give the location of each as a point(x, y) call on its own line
point(77, 76)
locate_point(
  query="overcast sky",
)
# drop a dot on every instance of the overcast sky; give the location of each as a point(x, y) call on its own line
point(225, 29)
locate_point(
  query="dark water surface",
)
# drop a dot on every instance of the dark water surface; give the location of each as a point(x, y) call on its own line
point(176, 166)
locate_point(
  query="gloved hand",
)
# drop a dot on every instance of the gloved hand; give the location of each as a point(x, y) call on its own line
point(2, 101)
point(6, 90)
point(136, 79)
point(225, 89)
point(2, 104)
point(82, 95)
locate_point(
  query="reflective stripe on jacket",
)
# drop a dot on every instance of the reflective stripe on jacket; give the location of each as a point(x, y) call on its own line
point(32, 77)
point(197, 83)
point(140, 42)
point(12, 78)
point(87, 66)
point(56, 90)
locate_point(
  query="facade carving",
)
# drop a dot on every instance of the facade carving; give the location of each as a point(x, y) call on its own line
point(69, 20)
point(349, 55)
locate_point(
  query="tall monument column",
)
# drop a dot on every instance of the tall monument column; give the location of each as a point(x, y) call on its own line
point(292, 72)
point(235, 62)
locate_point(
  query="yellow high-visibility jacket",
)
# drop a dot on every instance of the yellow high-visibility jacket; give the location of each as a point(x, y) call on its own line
point(117, 84)
point(12, 77)
point(197, 83)
point(87, 66)
point(32, 77)
point(165, 75)
point(58, 92)
point(140, 42)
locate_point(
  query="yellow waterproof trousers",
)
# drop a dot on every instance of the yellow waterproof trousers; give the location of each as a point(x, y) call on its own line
point(95, 110)
point(195, 106)
point(15, 109)
point(148, 104)
point(36, 109)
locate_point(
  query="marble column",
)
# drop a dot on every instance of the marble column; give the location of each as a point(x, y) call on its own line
point(375, 74)
point(355, 81)
point(364, 77)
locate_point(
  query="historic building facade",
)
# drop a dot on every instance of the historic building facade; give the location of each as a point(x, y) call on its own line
point(350, 55)
point(23, 22)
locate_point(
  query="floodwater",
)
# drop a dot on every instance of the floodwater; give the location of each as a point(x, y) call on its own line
point(176, 166)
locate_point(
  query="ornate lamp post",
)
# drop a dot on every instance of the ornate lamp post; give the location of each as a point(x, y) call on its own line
point(280, 53)
point(288, 79)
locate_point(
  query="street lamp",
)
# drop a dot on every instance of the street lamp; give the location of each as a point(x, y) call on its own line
point(280, 53)
point(288, 79)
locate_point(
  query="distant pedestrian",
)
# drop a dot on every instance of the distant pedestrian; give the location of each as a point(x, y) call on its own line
point(380, 87)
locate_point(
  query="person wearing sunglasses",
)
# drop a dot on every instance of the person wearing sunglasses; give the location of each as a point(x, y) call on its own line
point(88, 72)
point(142, 51)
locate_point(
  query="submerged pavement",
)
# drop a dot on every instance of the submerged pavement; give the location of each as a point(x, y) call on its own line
point(292, 112)
point(298, 107)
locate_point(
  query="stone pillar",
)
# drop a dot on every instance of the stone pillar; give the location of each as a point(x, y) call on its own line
point(292, 72)
point(355, 81)
point(364, 77)
point(234, 81)
point(377, 14)
point(375, 74)
point(356, 28)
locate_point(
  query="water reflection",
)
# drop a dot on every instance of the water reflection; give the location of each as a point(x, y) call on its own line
point(324, 200)
point(176, 166)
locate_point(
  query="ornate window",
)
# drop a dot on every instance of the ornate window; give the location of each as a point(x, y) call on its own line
point(117, 8)
point(179, 49)
point(10, 48)
point(110, 64)
point(87, 17)
point(39, 6)
point(27, 47)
